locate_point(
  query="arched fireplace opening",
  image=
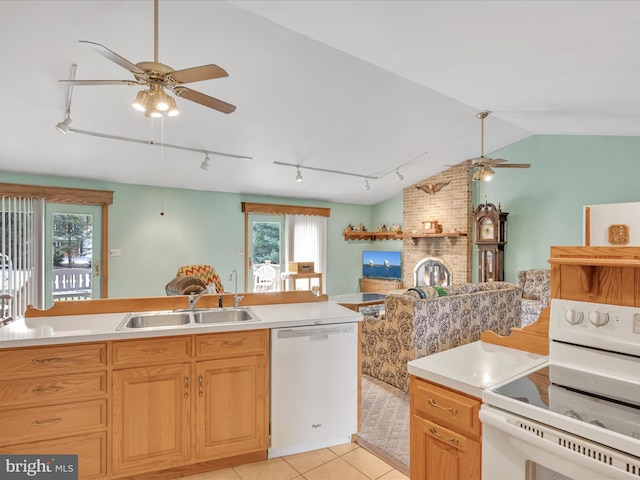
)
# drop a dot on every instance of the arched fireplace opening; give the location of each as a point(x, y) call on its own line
point(432, 272)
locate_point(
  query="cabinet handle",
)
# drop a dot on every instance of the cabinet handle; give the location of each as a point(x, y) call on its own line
point(453, 410)
point(186, 387)
point(45, 361)
point(231, 344)
point(152, 352)
point(39, 423)
point(200, 381)
point(38, 390)
point(435, 433)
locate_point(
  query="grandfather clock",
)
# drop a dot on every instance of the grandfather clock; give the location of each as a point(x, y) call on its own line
point(491, 237)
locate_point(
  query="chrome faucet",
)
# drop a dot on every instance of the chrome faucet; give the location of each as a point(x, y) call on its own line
point(193, 299)
point(236, 298)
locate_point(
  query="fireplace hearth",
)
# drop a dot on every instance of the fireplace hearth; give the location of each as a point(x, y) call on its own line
point(432, 272)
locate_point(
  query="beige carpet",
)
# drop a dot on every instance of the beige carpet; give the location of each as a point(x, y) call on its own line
point(385, 422)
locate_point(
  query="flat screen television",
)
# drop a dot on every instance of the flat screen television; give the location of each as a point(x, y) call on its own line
point(382, 264)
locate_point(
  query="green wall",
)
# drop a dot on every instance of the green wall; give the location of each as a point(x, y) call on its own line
point(197, 227)
point(545, 205)
point(545, 202)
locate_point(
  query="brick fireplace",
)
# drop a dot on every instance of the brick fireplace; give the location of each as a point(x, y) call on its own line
point(451, 207)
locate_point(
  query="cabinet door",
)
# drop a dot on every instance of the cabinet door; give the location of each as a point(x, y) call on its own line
point(151, 417)
point(438, 453)
point(232, 406)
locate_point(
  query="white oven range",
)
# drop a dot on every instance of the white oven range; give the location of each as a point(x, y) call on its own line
point(578, 417)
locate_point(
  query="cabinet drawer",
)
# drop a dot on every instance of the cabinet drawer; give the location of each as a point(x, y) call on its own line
point(42, 423)
point(91, 451)
point(155, 350)
point(448, 437)
point(58, 360)
point(59, 388)
point(232, 344)
point(446, 407)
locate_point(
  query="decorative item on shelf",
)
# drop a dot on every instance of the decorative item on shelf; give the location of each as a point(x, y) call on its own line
point(396, 228)
point(362, 228)
point(349, 229)
point(432, 226)
point(432, 188)
point(619, 234)
point(382, 228)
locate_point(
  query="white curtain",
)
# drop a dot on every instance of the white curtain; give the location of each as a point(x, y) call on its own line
point(21, 259)
point(306, 241)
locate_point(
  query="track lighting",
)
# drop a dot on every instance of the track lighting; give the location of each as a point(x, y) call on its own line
point(63, 127)
point(298, 175)
point(366, 184)
point(205, 163)
point(399, 175)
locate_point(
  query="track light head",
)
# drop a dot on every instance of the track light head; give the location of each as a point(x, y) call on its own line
point(63, 127)
point(298, 175)
point(205, 163)
point(399, 175)
point(366, 184)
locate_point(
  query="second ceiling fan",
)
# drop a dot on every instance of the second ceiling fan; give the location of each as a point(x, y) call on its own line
point(483, 166)
point(157, 76)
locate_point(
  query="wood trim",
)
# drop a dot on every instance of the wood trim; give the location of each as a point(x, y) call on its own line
point(587, 226)
point(533, 338)
point(276, 209)
point(144, 304)
point(104, 278)
point(81, 196)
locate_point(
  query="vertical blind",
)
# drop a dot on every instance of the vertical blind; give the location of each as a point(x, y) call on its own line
point(307, 241)
point(20, 257)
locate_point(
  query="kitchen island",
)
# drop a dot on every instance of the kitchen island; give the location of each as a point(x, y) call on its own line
point(446, 390)
point(158, 402)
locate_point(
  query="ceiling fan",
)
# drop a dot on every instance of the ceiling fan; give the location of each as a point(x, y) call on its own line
point(157, 77)
point(484, 165)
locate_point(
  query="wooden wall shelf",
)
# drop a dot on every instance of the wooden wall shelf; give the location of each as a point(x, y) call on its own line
point(372, 236)
point(416, 236)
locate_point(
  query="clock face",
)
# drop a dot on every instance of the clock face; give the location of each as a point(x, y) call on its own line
point(487, 229)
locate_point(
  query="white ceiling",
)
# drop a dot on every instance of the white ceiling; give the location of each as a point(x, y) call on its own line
point(357, 86)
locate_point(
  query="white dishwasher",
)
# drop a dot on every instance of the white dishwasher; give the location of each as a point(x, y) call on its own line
point(314, 387)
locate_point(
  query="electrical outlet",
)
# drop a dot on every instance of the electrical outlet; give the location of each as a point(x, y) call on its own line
point(115, 252)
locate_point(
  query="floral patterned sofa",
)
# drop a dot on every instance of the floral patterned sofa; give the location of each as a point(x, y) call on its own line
point(427, 320)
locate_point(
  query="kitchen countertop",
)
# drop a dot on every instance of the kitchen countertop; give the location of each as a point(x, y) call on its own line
point(99, 327)
point(474, 367)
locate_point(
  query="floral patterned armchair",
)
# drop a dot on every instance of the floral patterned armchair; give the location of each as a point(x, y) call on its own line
point(536, 293)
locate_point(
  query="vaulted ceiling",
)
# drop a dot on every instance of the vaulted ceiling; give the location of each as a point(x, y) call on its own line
point(362, 87)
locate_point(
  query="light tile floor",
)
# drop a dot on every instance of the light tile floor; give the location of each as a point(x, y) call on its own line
point(342, 462)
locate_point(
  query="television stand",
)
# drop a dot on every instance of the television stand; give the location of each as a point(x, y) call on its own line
point(379, 285)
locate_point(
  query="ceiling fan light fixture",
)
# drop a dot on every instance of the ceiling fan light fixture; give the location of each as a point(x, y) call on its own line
point(298, 175)
point(140, 103)
point(173, 108)
point(63, 126)
point(160, 100)
point(483, 173)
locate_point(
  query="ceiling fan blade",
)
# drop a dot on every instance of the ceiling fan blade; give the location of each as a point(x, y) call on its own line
point(100, 82)
point(512, 165)
point(115, 58)
point(197, 74)
point(203, 99)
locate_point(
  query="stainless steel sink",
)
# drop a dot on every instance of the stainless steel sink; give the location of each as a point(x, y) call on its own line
point(186, 318)
point(224, 316)
point(155, 319)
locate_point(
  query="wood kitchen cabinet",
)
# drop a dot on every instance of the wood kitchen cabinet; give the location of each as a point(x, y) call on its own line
point(232, 403)
point(53, 400)
point(188, 399)
point(445, 433)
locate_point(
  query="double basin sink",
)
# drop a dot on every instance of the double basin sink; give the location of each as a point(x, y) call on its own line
point(183, 318)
